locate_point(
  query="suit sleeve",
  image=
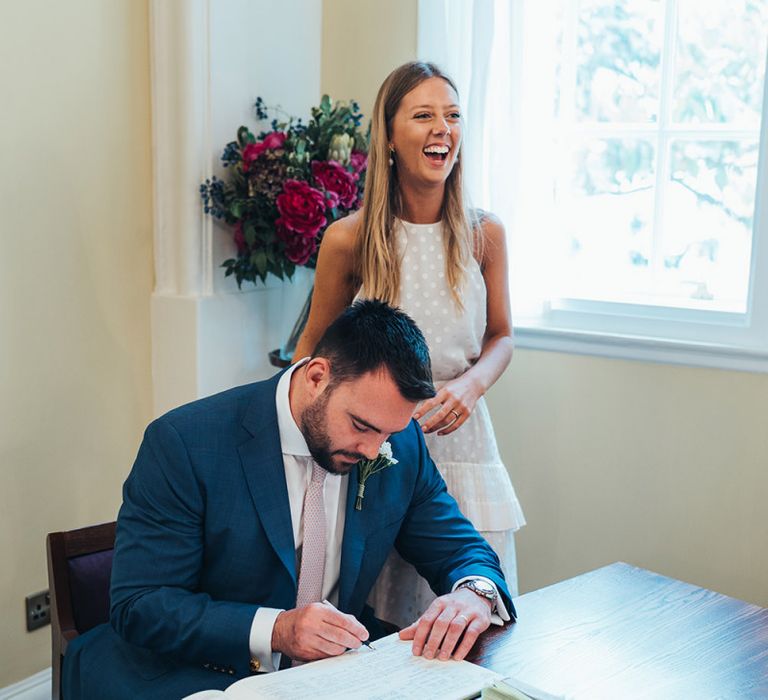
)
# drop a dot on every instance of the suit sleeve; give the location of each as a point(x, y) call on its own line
point(155, 598)
point(438, 540)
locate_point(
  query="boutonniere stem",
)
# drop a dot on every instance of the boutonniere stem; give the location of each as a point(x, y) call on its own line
point(368, 467)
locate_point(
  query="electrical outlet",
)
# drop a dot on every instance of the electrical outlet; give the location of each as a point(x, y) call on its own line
point(38, 606)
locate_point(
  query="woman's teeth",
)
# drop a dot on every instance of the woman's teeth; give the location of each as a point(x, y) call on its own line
point(436, 152)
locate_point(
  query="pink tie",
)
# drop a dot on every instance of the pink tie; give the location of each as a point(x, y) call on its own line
point(313, 550)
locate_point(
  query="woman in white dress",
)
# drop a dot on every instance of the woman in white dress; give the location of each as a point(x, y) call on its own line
point(416, 244)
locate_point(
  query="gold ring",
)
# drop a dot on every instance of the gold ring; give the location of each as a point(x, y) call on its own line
point(466, 619)
point(455, 413)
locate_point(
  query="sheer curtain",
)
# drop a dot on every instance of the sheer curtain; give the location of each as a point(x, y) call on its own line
point(517, 66)
point(504, 89)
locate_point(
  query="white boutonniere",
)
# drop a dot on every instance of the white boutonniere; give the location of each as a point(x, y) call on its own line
point(366, 467)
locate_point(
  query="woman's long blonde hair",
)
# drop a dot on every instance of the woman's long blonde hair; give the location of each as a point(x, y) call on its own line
point(376, 256)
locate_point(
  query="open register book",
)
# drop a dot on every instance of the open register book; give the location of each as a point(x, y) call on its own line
point(389, 671)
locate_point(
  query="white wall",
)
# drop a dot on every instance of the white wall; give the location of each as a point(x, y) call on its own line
point(75, 283)
point(283, 67)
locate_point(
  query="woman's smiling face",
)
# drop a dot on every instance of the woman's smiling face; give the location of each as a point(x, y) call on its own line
point(426, 133)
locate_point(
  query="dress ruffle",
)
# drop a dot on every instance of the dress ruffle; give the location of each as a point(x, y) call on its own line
point(485, 495)
point(476, 477)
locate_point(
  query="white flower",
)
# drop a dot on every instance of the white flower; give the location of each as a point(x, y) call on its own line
point(386, 451)
point(368, 467)
point(340, 148)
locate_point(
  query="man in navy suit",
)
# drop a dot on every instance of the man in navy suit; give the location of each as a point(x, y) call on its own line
point(211, 538)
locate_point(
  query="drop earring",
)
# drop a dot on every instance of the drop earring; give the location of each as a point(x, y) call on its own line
point(391, 153)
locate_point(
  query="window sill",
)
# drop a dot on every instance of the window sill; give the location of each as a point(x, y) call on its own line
point(645, 349)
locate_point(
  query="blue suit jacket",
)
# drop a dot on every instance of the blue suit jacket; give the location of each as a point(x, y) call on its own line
point(204, 537)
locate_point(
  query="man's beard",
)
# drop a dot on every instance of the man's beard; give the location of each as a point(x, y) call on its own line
point(314, 427)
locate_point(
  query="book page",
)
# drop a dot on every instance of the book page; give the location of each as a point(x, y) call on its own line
point(388, 672)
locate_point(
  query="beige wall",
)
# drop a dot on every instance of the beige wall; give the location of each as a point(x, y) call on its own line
point(363, 41)
point(664, 467)
point(75, 282)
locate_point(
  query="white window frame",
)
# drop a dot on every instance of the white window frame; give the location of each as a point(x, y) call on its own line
point(664, 333)
point(725, 340)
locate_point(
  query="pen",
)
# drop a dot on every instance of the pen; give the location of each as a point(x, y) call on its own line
point(365, 642)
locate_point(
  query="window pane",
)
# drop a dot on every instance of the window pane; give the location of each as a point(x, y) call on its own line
point(708, 223)
point(720, 62)
point(618, 49)
point(607, 218)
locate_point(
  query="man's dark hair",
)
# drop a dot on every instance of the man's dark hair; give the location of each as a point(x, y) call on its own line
point(370, 335)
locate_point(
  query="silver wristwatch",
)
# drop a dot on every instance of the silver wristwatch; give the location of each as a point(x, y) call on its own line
point(481, 588)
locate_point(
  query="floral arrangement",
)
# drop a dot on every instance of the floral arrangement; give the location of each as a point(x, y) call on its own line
point(368, 467)
point(286, 186)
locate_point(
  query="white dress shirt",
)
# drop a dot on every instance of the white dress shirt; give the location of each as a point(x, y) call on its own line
point(298, 472)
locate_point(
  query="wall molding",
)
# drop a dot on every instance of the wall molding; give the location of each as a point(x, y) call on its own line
point(181, 119)
point(656, 350)
point(37, 687)
point(208, 63)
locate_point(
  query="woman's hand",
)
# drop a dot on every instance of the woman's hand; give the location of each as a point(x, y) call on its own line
point(456, 399)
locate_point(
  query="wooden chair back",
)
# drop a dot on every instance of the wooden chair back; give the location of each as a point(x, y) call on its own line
point(79, 570)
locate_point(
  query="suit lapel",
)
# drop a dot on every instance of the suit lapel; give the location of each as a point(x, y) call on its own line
point(357, 526)
point(262, 462)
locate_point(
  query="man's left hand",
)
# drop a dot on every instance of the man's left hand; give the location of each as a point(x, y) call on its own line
point(436, 633)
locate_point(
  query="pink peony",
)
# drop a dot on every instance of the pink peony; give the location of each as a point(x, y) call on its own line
point(331, 199)
point(251, 152)
point(272, 141)
point(298, 248)
point(332, 177)
point(359, 161)
point(302, 209)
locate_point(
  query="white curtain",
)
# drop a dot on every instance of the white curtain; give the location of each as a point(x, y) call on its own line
point(500, 54)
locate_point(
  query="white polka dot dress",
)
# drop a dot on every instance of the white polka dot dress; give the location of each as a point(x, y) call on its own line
point(468, 458)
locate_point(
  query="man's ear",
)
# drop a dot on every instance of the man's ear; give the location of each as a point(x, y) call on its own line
point(317, 376)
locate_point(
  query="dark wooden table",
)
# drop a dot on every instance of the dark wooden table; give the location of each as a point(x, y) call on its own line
point(621, 632)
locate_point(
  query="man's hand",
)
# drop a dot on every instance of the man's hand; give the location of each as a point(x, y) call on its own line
point(316, 631)
point(437, 631)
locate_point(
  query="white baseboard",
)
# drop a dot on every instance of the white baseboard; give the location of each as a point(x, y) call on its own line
point(37, 687)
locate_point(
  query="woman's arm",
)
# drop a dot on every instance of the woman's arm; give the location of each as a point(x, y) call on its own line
point(497, 342)
point(461, 394)
point(334, 282)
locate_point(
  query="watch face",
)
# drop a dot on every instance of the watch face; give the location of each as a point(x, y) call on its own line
point(483, 587)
